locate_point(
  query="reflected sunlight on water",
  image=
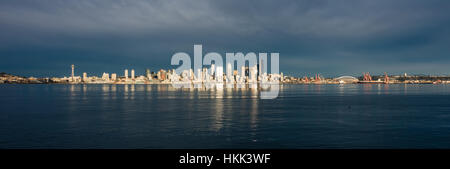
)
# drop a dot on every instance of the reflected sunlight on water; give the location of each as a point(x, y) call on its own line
point(160, 116)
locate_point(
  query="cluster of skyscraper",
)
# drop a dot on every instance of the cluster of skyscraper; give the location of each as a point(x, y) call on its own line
point(216, 75)
point(212, 75)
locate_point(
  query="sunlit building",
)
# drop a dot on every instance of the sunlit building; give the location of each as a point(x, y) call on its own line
point(113, 77)
point(126, 74)
point(85, 78)
point(148, 74)
point(105, 77)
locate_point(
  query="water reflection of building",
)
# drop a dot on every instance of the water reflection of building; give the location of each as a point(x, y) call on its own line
point(218, 110)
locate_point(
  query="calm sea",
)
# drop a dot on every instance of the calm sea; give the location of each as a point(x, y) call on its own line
point(159, 116)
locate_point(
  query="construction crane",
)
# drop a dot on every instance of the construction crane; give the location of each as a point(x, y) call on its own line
point(317, 78)
point(306, 79)
point(367, 77)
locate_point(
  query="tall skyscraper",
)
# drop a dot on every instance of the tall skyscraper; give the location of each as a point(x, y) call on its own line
point(148, 74)
point(243, 73)
point(204, 74)
point(105, 76)
point(219, 74)
point(162, 74)
point(113, 77)
point(126, 74)
point(260, 66)
point(132, 74)
point(229, 72)
point(253, 73)
point(199, 75)
point(84, 76)
point(191, 74)
point(73, 72)
point(213, 69)
point(261, 69)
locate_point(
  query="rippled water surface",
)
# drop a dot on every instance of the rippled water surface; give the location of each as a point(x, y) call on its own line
point(159, 116)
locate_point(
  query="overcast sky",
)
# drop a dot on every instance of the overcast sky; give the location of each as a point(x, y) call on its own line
point(334, 38)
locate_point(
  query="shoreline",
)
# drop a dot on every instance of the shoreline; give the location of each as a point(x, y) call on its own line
point(422, 79)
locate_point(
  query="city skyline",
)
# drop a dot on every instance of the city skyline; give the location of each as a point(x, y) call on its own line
point(146, 70)
point(224, 83)
point(216, 75)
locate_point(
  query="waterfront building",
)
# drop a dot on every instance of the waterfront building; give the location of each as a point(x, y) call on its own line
point(212, 70)
point(261, 67)
point(113, 77)
point(184, 75)
point(73, 73)
point(243, 69)
point(229, 71)
point(140, 79)
point(247, 72)
point(253, 74)
point(85, 78)
point(126, 74)
point(219, 74)
point(214, 74)
point(199, 75)
point(105, 77)
point(205, 74)
point(346, 79)
point(148, 74)
point(191, 74)
point(162, 74)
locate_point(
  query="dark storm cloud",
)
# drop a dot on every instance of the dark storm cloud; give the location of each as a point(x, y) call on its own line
point(329, 37)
